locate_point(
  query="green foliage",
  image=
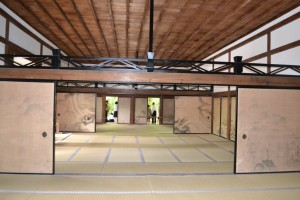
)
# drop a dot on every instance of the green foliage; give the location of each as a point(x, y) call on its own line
point(111, 103)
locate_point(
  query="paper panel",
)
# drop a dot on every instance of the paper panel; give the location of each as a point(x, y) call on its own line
point(217, 116)
point(192, 114)
point(27, 110)
point(124, 110)
point(168, 111)
point(140, 111)
point(268, 130)
point(76, 112)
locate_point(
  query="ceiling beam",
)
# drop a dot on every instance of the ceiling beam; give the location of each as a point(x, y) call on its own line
point(49, 16)
point(127, 27)
point(145, 77)
point(133, 92)
point(85, 27)
point(147, 4)
point(172, 25)
point(112, 22)
point(71, 25)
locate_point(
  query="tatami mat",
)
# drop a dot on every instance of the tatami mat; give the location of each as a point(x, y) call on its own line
point(190, 155)
point(97, 154)
point(123, 162)
point(158, 155)
point(124, 155)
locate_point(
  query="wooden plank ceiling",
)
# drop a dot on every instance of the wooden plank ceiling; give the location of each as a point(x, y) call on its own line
point(183, 29)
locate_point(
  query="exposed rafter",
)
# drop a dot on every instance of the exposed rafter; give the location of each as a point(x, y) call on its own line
point(85, 27)
point(112, 21)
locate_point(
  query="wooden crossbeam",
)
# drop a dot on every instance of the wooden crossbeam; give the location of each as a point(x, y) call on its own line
point(144, 77)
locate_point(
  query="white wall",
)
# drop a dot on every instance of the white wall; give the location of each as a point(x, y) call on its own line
point(251, 49)
point(23, 40)
point(285, 34)
point(2, 26)
point(292, 12)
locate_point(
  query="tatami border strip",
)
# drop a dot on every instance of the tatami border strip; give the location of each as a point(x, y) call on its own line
point(148, 192)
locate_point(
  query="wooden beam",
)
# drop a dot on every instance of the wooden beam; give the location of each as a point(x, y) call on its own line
point(109, 91)
point(85, 27)
point(58, 26)
point(146, 77)
point(55, 40)
point(73, 28)
point(127, 27)
point(112, 22)
point(147, 4)
point(92, 6)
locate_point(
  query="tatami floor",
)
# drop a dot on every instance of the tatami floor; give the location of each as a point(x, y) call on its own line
point(146, 162)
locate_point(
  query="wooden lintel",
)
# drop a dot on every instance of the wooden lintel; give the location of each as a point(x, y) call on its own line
point(109, 91)
point(224, 94)
point(147, 77)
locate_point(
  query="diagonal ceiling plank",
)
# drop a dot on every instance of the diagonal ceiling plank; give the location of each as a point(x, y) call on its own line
point(250, 18)
point(186, 48)
point(166, 35)
point(232, 26)
point(191, 19)
point(92, 6)
point(49, 16)
point(127, 27)
point(146, 8)
point(62, 44)
point(112, 21)
point(73, 28)
point(85, 27)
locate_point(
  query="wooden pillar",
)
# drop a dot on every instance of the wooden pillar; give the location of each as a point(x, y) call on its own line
point(103, 109)
point(132, 109)
point(161, 110)
point(228, 104)
point(269, 52)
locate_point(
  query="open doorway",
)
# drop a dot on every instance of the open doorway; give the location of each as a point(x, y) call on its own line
point(153, 110)
point(111, 110)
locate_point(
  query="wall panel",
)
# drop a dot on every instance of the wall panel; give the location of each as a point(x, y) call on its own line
point(76, 112)
point(168, 111)
point(224, 111)
point(192, 114)
point(27, 110)
point(99, 110)
point(2, 26)
point(268, 130)
point(124, 110)
point(140, 111)
point(251, 49)
point(23, 40)
point(217, 116)
point(285, 34)
point(233, 119)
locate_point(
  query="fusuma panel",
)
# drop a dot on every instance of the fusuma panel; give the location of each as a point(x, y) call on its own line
point(233, 118)
point(76, 112)
point(268, 130)
point(99, 110)
point(192, 114)
point(224, 110)
point(168, 111)
point(26, 124)
point(124, 110)
point(140, 111)
point(217, 116)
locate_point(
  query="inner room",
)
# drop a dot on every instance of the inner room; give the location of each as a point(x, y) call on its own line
point(149, 99)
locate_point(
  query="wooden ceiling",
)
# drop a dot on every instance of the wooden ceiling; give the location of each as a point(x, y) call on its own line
point(183, 29)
